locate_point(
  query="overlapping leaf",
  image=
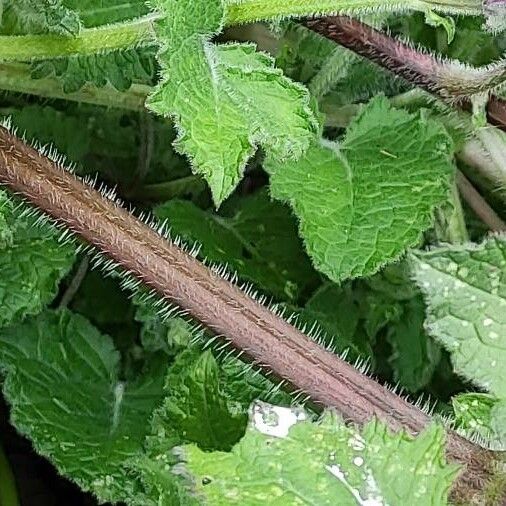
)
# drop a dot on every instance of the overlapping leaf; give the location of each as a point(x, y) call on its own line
point(227, 99)
point(284, 459)
point(196, 406)
point(362, 203)
point(119, 68)
point(63, 383)
point(474, 413)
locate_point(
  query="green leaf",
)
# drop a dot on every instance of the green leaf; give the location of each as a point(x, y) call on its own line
point(362, 203)
point(45, 124)
point(465, 290)
point(196, 407)
point(448, 23)
point(38, 16)
point(162, 488)
point(32, 264)
point(94, 289)
point(97, 12)
point(415, 355)
point(118, 68)
point(285, 459)
point(239, 100)
point(302, 52)
point(259, 242)
point(62, 380)
point(244, 384)
point(310, 58)
point(473, 413)
point(6, 228)
point(338, 314)
point(170, 335)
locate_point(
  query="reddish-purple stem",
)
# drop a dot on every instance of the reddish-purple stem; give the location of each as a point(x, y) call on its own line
point(251, 328)
point(445, 78)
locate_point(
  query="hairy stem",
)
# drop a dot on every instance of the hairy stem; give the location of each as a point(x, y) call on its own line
point(247, 11)
point(89, 41)
point(449, 79)
point(16, 77)
point(249, 327)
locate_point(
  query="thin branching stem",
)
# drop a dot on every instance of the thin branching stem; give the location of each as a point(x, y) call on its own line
point(89, 41)
point(449, 79)
point(479, 205)
point(252, 329)
point(141, 31)
point(75, 283)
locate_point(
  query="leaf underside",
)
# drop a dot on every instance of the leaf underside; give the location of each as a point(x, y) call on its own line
point(465, 290)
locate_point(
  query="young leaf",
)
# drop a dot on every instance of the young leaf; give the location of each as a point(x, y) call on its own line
point(259, 242)
point(225, 100)
point(157, 333)
point(362, 203)
point(62, 380)
point(285, 459)
point(473, 413)
point(196, 408)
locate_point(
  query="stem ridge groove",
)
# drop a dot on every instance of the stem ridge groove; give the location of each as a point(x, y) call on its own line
point(265, 338)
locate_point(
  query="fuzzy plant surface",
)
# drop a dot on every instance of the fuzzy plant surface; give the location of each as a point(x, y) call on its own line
point(363, 205)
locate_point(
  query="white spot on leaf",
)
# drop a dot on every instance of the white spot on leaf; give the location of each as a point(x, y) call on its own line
point(275, 420)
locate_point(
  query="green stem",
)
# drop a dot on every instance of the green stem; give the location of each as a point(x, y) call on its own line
point(247, 11)
point(141, 31)
point(16, 77)
point(458, 229)
point(8, 492)
point(89, 41)
point(450, 223)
